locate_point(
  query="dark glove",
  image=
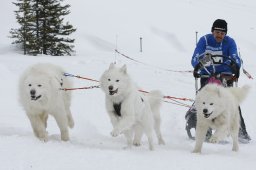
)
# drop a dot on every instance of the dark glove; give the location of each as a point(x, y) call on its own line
point(208, 55)
point(196, 69)
point(206, 59)
point(235, 69)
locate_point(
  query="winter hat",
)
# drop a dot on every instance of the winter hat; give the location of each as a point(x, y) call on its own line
point(220, 25)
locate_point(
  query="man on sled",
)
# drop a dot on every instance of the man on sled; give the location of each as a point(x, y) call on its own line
point(216, 60)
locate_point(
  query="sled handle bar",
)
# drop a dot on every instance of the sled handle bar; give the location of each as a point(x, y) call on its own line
point(233, 66)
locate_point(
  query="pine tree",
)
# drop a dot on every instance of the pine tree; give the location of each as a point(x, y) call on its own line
point(42, 29)
point(23, 34)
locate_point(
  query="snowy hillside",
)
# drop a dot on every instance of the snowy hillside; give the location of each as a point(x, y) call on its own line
point(167, 28)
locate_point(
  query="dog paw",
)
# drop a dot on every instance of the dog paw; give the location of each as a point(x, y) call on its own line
point(161, 142)
point(71, 124)
point(213, 140)
point(196, 151)
point(127, 148)
point(151, 147)
point(43, 139)
point(235, 148)
point(136, 143)
point(115, 133)
point(64, 136)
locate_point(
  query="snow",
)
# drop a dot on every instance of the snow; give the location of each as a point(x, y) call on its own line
point(168, 30)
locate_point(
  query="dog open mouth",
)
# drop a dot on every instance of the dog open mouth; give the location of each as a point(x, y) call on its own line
point(112, 92)
point(206, 115)
point(35, 97)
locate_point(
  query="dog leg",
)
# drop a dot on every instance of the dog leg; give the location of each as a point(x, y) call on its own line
point(220, 133)
point(234, 134)
point(124, 124)
point(200, 136)
point(150, 140)
point(148, 127)
point(70, 118)
point(67, 102)
point(113, 118)
point(38, 126)
point(33, 123)
point(138, 135)
point(149, 133)
point(44, 118)
point(158, 130)
point(128, 134)
point(63, 125)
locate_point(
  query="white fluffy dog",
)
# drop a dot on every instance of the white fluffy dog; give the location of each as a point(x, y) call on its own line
point(217, 107)
point(130, 111)
point(40, 95)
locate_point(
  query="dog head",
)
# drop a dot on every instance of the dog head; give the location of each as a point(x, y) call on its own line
point(115, 81)
point(209, 101)
point(37, 88)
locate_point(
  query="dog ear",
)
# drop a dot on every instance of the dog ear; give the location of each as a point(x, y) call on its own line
point(124, 69)
point(111, 66)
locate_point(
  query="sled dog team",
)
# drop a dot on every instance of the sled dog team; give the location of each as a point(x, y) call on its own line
point(131, 112)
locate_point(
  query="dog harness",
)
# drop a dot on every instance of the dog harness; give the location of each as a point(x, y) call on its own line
point(117, 108)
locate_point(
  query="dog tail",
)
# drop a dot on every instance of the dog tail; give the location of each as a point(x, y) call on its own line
point(240, 93)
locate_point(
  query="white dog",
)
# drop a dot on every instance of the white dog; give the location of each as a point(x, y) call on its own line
point(40, 95)
point(131, 112)
point(217, 107)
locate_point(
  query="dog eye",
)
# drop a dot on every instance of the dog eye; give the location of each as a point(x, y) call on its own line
point(29, 85)
point(211, 103)
point(39, 85)
point(109, 79)
point(203, 102)
point(117, 80)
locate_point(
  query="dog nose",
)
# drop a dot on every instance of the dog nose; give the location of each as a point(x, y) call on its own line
point(205, 110)
point(32, 92)
point(110, 87)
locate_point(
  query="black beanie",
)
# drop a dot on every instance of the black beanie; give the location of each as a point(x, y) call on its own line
point(220, 25)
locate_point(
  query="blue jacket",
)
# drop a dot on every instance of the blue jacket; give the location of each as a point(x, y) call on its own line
point(208, 44)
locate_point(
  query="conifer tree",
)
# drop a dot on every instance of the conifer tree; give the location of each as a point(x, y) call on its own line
point(23, 35)
point(45, 31)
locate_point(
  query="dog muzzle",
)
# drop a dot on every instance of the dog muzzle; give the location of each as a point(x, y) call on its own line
point(206, 113)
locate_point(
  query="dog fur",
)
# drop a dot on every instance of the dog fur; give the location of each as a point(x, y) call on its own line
point(131, 112)
point(40, 96)
point(217, 107)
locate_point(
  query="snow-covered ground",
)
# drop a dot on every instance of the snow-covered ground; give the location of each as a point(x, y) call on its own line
point(167, 28)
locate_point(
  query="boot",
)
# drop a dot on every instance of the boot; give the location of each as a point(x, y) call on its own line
point(243, 136)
